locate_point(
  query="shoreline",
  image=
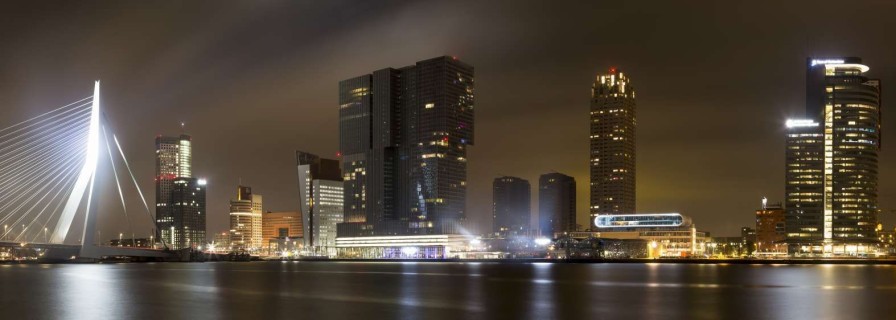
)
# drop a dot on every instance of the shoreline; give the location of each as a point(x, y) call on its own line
point(886, 262)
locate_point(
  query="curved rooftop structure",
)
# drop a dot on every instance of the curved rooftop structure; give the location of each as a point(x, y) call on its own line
point(642, 220)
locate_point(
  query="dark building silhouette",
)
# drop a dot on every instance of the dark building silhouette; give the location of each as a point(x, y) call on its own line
point(403, 137)
point(556, 204)
point(831, 203)
point(511, 206)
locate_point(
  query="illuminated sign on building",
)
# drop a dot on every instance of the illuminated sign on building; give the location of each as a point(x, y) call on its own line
point(826, 61)
point(793, 123)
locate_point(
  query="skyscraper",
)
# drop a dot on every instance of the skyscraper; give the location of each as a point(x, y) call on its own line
point(832, 160)
point(403, 136)
point(246, 220)
point(187, 208)
point(612, 145)
point(173, 160)
point(556, 204)
point(320, 201)
point(511, 208)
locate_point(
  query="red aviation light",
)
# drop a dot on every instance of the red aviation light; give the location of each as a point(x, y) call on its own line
point(612, 70)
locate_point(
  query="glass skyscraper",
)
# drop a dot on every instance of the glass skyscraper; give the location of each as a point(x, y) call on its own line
point(831, 202)
point(174, 193)
point(404, 135)
point(187, 209)
point(612, 145)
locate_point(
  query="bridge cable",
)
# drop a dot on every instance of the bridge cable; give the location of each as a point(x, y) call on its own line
point(154, 222)
point(118, 184)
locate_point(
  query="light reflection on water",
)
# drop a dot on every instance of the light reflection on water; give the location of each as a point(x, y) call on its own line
point(329, 290)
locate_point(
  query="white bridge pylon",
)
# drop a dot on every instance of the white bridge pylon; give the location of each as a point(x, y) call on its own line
point(48, 172)
point(85, 180)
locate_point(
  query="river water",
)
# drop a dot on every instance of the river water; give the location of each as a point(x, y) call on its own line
point(395, 290)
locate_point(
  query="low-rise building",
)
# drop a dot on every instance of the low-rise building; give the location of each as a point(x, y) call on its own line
point(770, 233)
point(667, 234)
point(437, 246)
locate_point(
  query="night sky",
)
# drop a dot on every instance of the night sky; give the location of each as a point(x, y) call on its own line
point(257, 80)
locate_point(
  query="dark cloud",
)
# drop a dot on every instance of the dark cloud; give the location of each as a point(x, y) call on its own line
point(256, 80)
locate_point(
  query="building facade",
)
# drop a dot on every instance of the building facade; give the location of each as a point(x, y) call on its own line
point(667, 234)
point(320, 201)
point(612, 145)
point(511, 206)
point(187, 208)
point(174, 161)
point(556, 204)
point(831, 203)
point(246, 220)
point(278, 228)
point(404, 135)
point(770, 232)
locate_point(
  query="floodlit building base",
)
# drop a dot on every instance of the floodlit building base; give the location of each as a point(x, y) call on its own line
point(401, 247)
point(835, 250)
point(670, 243)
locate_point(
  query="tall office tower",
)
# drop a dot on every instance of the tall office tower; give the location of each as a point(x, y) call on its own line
point(246, 220)
point(770, 228)
point(612, 145)
point(173, 160)
point(511, 208)
point(404, 135)
point(832, 161)
point(187, 208)
point(556, 204)
point(320, 201)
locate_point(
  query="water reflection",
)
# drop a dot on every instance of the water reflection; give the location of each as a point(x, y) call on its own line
point(445, 291)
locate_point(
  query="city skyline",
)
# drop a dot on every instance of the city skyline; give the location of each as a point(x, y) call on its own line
point(661, 170)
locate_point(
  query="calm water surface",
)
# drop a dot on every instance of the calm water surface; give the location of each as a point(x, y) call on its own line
point(344, 290)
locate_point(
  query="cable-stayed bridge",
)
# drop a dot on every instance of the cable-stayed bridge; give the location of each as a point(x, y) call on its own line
point(48, 172)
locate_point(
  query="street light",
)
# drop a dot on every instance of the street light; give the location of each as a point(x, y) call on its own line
point(45, 235)
point(119, 239)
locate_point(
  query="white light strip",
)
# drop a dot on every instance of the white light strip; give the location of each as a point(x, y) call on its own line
point(863, 68)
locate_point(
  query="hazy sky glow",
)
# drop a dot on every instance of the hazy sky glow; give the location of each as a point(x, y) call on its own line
point(255, 81)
